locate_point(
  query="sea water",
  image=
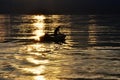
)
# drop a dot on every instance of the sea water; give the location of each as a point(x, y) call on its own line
point(91, 50)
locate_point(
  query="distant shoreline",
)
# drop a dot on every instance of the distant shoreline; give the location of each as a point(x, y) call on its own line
point(63, 13)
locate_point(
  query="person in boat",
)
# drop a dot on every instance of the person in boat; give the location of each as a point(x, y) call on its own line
point(57, 31)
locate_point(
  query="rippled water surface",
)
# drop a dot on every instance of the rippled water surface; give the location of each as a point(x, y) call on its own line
point(91, 50)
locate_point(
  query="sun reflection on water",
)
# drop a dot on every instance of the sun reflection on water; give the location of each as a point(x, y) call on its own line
point(35, 57)
point(39, 25)
point(35, 70)
point(39, 17)
point(35, 61)
point(39, 78)
point(36, 64)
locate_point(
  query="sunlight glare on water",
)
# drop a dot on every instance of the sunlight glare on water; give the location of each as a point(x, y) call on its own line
point(34, 61)
point(39, 78)
point(90, 51)
point(39, 24)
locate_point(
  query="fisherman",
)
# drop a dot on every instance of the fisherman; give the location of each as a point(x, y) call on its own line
point(57, 31)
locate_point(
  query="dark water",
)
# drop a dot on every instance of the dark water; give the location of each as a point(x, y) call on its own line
point(91, 50)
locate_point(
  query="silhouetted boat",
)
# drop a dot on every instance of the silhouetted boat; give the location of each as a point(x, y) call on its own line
point(46, 38)
point(52, 38)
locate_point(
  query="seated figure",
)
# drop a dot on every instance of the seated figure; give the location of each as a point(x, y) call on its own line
point(57, 31)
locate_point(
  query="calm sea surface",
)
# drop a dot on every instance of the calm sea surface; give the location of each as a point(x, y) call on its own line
point(91, 50)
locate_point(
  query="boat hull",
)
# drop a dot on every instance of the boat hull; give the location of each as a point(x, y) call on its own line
point(52, 38)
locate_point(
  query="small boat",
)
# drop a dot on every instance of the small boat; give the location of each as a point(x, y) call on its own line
point(52, 38)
